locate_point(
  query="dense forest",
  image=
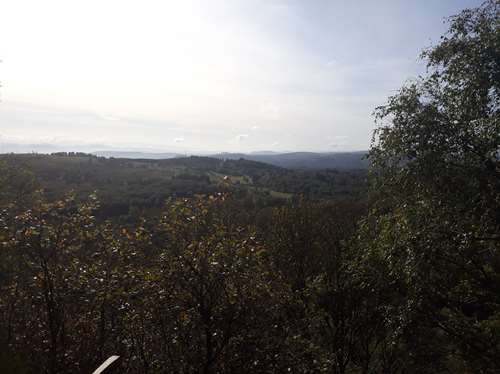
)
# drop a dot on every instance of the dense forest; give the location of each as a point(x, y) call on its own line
point(200, 265)
point(130, 188)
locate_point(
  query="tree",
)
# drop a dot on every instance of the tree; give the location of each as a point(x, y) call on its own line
point(436, 157)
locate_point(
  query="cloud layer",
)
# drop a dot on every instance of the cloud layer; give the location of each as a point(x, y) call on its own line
point(234, 75)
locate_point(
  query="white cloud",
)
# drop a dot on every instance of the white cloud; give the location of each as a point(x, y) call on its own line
point(238, 139)
point(338, 141)
point(331, 64)
point(56, 139)
point(110, 118)
point(339, 137)
point(270, 111)
point(179, 140)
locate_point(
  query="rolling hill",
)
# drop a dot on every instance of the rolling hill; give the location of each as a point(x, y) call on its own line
point(289, 160)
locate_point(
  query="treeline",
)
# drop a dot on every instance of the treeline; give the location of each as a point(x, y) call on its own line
point(406, 281)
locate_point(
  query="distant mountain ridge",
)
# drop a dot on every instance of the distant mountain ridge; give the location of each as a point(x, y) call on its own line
point(305, 160)
point(289, 160)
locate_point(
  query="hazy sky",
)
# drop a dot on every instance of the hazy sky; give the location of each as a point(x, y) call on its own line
point(208, 75)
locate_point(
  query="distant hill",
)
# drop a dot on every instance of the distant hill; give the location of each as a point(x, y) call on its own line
point(304, 160)
point(127, 186)
point(290, 160)
point(265, 153)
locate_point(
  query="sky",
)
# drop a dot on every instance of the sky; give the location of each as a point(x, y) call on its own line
point(207, 76)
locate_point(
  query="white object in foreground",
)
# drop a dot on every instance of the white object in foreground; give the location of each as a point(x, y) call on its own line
point(105, 364)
